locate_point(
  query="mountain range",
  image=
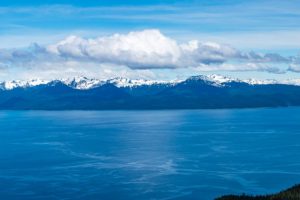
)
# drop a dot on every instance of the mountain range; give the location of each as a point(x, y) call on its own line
point(196, 92)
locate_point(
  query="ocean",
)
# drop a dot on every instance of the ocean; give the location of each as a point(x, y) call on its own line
point(134, 155)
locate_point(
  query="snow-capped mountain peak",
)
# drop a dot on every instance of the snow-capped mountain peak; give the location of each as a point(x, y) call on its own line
point(84, 83)
point(221, 79)
point(214, 79)
point(9, 85)
point(125, 82)
point(261, 82)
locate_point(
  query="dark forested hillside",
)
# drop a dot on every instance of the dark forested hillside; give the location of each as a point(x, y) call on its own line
point(289, 194)
point(194, 93)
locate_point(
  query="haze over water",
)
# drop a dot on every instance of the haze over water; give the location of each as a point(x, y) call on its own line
point(178, 154)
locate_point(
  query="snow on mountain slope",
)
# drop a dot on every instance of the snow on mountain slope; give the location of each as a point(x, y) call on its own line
point(9, 85)
point(83, 83)
point(214, 79)
point(125, 82)
point(260, 82)
point(221, 79)
point(292, 82)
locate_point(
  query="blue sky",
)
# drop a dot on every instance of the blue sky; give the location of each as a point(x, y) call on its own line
point(262, 27)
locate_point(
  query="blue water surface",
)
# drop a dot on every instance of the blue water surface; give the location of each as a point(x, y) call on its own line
point(135, 155)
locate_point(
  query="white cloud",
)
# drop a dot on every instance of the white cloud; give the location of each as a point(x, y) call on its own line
point(144, 49)
point(195, 53)
point(152, 49)
point(147, 49)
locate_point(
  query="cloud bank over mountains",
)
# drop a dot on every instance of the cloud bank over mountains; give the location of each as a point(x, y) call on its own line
point(140, 50)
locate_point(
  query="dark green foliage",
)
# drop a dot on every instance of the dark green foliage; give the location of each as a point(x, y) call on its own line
point(289, 194)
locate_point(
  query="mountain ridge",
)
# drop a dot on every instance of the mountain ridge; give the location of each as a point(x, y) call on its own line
point(197, 92)
point(83, 83)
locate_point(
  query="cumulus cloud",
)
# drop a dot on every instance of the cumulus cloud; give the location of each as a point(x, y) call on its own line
point(147, 49)
point(195, 53)
point(144, 49)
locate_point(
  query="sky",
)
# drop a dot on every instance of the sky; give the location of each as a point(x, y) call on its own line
point(150, 39)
